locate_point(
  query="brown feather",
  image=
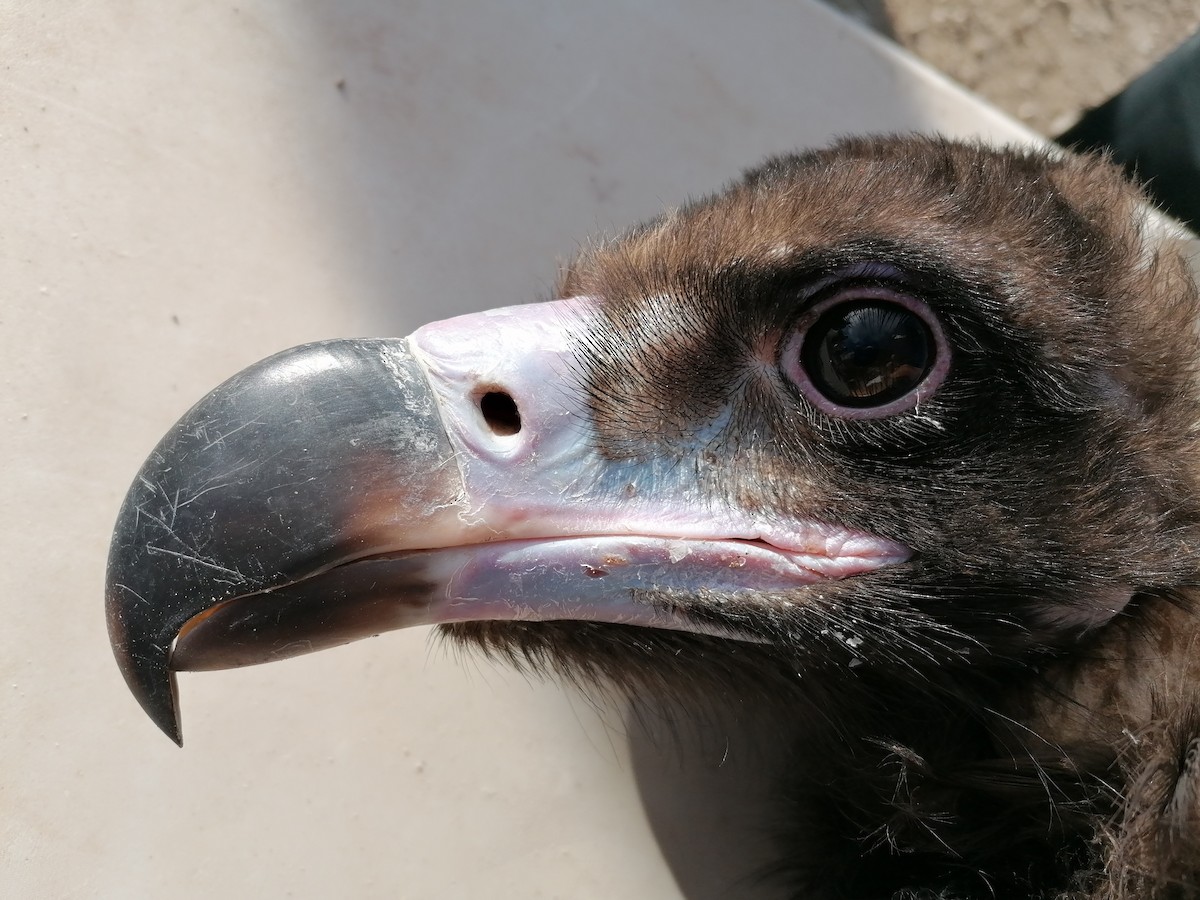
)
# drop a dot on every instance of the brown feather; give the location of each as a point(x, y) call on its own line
point(1015, 711)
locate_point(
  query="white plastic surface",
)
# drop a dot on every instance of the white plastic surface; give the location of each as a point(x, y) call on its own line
point(189, 186)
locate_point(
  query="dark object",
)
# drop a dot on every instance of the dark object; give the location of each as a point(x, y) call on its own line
point(889, 450)
point(1153, 129)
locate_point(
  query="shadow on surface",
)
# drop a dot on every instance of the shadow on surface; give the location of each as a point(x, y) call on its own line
point(708, 787)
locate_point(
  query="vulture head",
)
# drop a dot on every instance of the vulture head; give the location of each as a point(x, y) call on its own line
point(897, 439)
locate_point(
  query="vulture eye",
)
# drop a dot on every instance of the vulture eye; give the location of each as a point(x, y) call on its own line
point(867, 352)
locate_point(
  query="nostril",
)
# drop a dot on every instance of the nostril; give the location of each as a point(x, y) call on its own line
point(500, 412)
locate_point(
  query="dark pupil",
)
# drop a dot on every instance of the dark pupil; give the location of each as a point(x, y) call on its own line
point(867, 353)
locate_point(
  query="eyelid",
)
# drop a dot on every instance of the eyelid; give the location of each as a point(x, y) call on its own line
point(861, 274)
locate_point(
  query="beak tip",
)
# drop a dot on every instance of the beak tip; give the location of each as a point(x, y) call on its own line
point(156, 692)
point(163, 708)
point(167, 722)
point(141, 636)
point(152, 683)
point(167, 718)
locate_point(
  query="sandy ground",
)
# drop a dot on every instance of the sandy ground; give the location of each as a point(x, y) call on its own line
point(1044, 61)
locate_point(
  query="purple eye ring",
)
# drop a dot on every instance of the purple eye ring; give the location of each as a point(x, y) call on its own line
point(866, 352)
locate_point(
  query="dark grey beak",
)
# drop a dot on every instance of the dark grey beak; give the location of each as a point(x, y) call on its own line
point(258, 485)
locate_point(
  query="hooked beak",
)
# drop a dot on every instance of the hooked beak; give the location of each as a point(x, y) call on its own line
point(345, 488)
